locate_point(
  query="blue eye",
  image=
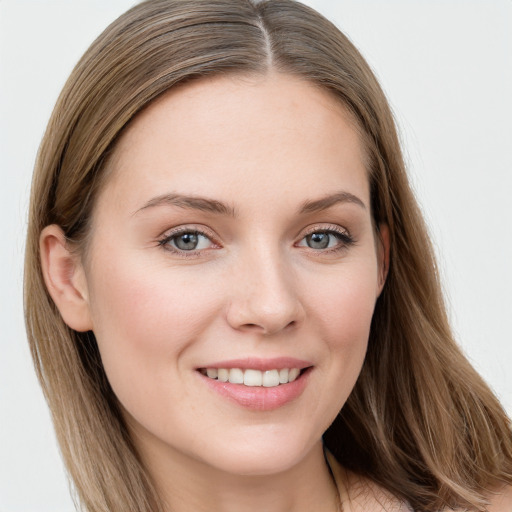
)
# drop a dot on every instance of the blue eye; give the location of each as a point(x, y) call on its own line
point(318, 240)
point(326, 239)
point(187, 241)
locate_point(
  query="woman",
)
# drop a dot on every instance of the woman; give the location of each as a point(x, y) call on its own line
point(231, 297)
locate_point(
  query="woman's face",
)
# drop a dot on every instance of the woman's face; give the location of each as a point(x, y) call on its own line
point(234, 238)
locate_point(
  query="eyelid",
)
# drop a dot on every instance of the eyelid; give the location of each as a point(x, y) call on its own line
point(185, 228)
point(344, 237)
point(169, 234)
point(325, 228)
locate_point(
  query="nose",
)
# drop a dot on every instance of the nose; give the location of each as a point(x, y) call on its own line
point(265, 299)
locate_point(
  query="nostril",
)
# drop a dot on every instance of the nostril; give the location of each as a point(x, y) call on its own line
point(267, 330)
point(252, 326)
point(264, 317)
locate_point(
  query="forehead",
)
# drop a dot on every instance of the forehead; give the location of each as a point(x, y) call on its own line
point(274, 130)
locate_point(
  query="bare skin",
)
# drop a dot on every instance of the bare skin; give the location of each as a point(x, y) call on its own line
point(267, 173)
point(235, 226)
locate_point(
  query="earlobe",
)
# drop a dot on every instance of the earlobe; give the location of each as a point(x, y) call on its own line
point(383, 255)
point(64, 278)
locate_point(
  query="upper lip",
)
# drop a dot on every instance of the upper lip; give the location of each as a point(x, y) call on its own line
point(256, 363)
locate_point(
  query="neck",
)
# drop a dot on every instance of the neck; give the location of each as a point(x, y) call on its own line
point(187, 484)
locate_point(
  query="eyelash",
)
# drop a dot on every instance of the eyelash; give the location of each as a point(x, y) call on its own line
point(165, 241)
point(344, 237)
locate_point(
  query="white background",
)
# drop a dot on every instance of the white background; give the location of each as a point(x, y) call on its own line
point(446, 66)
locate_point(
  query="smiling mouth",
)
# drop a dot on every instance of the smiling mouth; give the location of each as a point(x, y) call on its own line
point(253, 378)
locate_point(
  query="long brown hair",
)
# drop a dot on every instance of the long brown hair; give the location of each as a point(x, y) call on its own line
point(420, 421)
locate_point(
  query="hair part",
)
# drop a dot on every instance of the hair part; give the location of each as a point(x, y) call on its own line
point(420, 421)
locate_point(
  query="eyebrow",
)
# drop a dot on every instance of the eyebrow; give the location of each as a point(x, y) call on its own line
point(326, 202)
point(190, 202)
point(213, 206)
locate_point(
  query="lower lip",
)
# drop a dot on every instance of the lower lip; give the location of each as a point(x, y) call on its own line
point(259, 398)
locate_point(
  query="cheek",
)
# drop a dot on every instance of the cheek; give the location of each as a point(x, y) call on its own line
point(144, 319)
point(344, 313)
point(345, 307)
point(149, 305)
point(339, 318)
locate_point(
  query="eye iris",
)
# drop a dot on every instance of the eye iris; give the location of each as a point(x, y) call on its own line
point(186, 241)
point(318, 240)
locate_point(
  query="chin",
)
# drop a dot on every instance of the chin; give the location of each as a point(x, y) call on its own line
point(260, 457)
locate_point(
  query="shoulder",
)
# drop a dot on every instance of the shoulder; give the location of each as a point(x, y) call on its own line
point(364, 495)
point(501, 499)
point(360, 494)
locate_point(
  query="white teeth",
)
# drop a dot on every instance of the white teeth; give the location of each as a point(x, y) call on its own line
point(253, 378)
point(271, 378)
point(236, 376)
point(294, 373)
point(222, 374)
point(212, 373)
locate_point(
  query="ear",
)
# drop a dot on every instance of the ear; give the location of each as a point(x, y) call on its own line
point(65, 278)
point(383, 247)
